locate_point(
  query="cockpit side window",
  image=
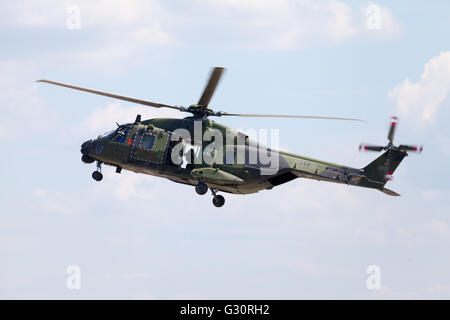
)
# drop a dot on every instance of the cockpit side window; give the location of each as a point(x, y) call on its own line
point(120, 135)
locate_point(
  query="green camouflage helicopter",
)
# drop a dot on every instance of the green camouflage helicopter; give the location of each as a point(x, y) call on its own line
point(164, 147)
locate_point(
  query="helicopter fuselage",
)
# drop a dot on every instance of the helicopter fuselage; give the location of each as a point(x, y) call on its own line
point(149, 146)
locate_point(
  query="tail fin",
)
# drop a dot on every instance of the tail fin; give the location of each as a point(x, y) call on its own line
point(377, 170)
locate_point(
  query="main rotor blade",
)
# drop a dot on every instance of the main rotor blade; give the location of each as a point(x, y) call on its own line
point(208, 92)
point(220, 114)
point(115, 96)
point(392, 129)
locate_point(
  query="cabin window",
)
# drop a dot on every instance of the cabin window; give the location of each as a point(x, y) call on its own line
point(147, 141)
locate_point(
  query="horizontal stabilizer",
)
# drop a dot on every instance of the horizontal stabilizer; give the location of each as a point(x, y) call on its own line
point(390, 192)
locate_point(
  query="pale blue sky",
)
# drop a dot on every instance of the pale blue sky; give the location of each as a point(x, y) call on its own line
point(137, 236)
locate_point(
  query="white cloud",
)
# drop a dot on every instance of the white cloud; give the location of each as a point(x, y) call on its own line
point(432, 195)
point(408, 239)
point(439, 291)
point(286, 24)
point(118, 30)
point(127, 186)
point(52, 202)
point(306, 195)
point(33, 13)
point(438, 227)
point(341, 25)
point(420, 100)
point(19, 100)
point(137, 276)
point(309, 267)
point(150, 35)
point(444, 143)
point(122, 30)
point(131, 185)
point(99, 14)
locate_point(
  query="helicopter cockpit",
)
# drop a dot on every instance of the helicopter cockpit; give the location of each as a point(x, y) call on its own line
point(117, 135)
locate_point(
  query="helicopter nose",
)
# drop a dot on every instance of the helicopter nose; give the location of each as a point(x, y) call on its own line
point(85, 147)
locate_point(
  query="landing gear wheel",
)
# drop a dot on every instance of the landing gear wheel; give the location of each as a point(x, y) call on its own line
point(97, 176)
point(218, 201)
point(201, 188)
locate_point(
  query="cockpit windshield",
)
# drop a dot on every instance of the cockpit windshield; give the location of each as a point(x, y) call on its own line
point(108, 134)
point(121, 134)
point(117, 135)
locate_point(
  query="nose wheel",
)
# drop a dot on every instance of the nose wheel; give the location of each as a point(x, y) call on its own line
point(97, 175)
point(218, 200)
point(87, 159)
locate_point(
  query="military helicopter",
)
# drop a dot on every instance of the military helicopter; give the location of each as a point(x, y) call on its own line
point(164, 147)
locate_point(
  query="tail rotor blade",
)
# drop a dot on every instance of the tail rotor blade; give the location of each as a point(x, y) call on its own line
point(366, 147)
point(392, 129)
point(403, 147)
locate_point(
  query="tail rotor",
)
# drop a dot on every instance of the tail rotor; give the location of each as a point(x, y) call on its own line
point(392, 151)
